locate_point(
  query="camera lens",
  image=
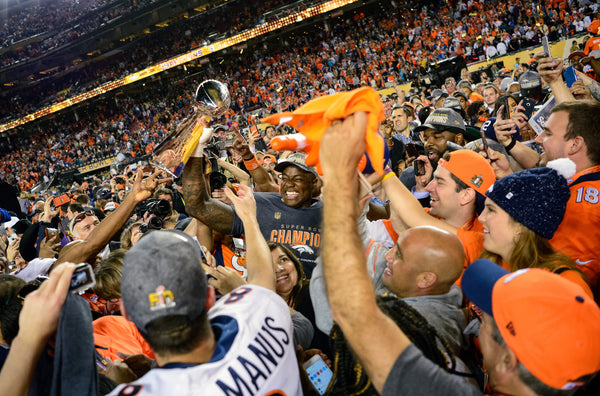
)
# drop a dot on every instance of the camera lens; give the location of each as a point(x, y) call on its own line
point(163, 207)
point(155, 223)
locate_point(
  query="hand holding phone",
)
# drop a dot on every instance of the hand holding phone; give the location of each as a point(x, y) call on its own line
point(419, 167)
point(82, 278)
point(546, 45)
point(504, 109)
point(319, 374)
point(485, 144)
point(529, 106)
point(61, 200)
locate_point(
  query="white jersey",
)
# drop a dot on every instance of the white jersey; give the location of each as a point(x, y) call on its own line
point(255, 353)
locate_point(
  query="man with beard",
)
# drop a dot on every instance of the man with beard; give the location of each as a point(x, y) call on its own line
point(291, 217)
point(442, 129)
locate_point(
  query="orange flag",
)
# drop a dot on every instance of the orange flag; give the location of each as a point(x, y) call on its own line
point(314, 117)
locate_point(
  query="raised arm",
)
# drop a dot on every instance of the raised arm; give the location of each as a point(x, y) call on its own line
point(262, 179)
point(101, 235)
point(37, 322)
point(198, 202)
point(550, 70)
point(341, 148)
point(259, 262)
point(525, 156)
point(239, 174)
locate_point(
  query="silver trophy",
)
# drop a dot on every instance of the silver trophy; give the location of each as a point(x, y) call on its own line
point(212, 99)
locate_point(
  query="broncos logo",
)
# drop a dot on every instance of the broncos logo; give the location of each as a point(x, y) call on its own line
point(303, 249)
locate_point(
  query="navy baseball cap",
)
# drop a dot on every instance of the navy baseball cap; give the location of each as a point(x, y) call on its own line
point(478, 281)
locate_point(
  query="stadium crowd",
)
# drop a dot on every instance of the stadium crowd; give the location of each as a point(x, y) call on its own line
point(404, 46)
point(468, 239)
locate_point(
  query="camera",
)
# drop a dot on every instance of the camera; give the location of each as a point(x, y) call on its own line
point(82, 278)
point(161, 207)
point(158, 207)
point(153, 224)
point(217, 181)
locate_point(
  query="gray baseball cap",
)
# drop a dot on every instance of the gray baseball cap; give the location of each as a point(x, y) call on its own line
point(298, 160)
point(443, 119)
point(163, 276)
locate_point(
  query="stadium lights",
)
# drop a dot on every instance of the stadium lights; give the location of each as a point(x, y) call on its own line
point(181, 59)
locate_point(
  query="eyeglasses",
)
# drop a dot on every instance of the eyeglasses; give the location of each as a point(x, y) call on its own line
point(295, 179)
point(82, 216)
point(482, 112)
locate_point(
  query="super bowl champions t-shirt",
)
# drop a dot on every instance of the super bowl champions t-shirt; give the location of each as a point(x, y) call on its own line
point(299, 229)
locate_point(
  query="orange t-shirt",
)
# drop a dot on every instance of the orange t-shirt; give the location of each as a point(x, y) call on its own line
point(113, 333)
point(592, 44)
point(471, 236)
point(578, 235)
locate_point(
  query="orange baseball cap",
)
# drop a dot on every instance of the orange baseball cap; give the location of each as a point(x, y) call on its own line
point(549, 322)
point(471, 168)
point(268, 158)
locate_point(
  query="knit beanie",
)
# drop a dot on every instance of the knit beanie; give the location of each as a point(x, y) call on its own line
point(536, 198)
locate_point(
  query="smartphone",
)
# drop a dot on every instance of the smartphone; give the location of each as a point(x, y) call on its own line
point(485, 143)
point(61, 200)
point(529, 105)
point(411, 151)
point(319, 374)
point(546, 46)
point(570, 76)
point(419, 167)
point(82, 278)
point(505, 114)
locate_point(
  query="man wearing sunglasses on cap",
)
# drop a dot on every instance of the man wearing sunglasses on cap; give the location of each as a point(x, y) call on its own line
point(83, 224)
point(95, 235)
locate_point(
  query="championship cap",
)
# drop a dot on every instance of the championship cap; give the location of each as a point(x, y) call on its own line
point(549, 322)
point(505, 84)
point(530, 82)
point(443, 120)
point(453, 103)
point(163, 276)
point(471, 168)
point(298, 160)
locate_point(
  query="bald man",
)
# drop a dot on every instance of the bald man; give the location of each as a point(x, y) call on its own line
point(422, 269)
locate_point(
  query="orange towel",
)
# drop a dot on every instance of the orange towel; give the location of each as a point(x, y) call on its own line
point(314, 117)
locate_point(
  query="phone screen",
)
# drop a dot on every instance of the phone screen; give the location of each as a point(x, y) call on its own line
point(320, 375)
point(419, 168)
point(411, 150)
